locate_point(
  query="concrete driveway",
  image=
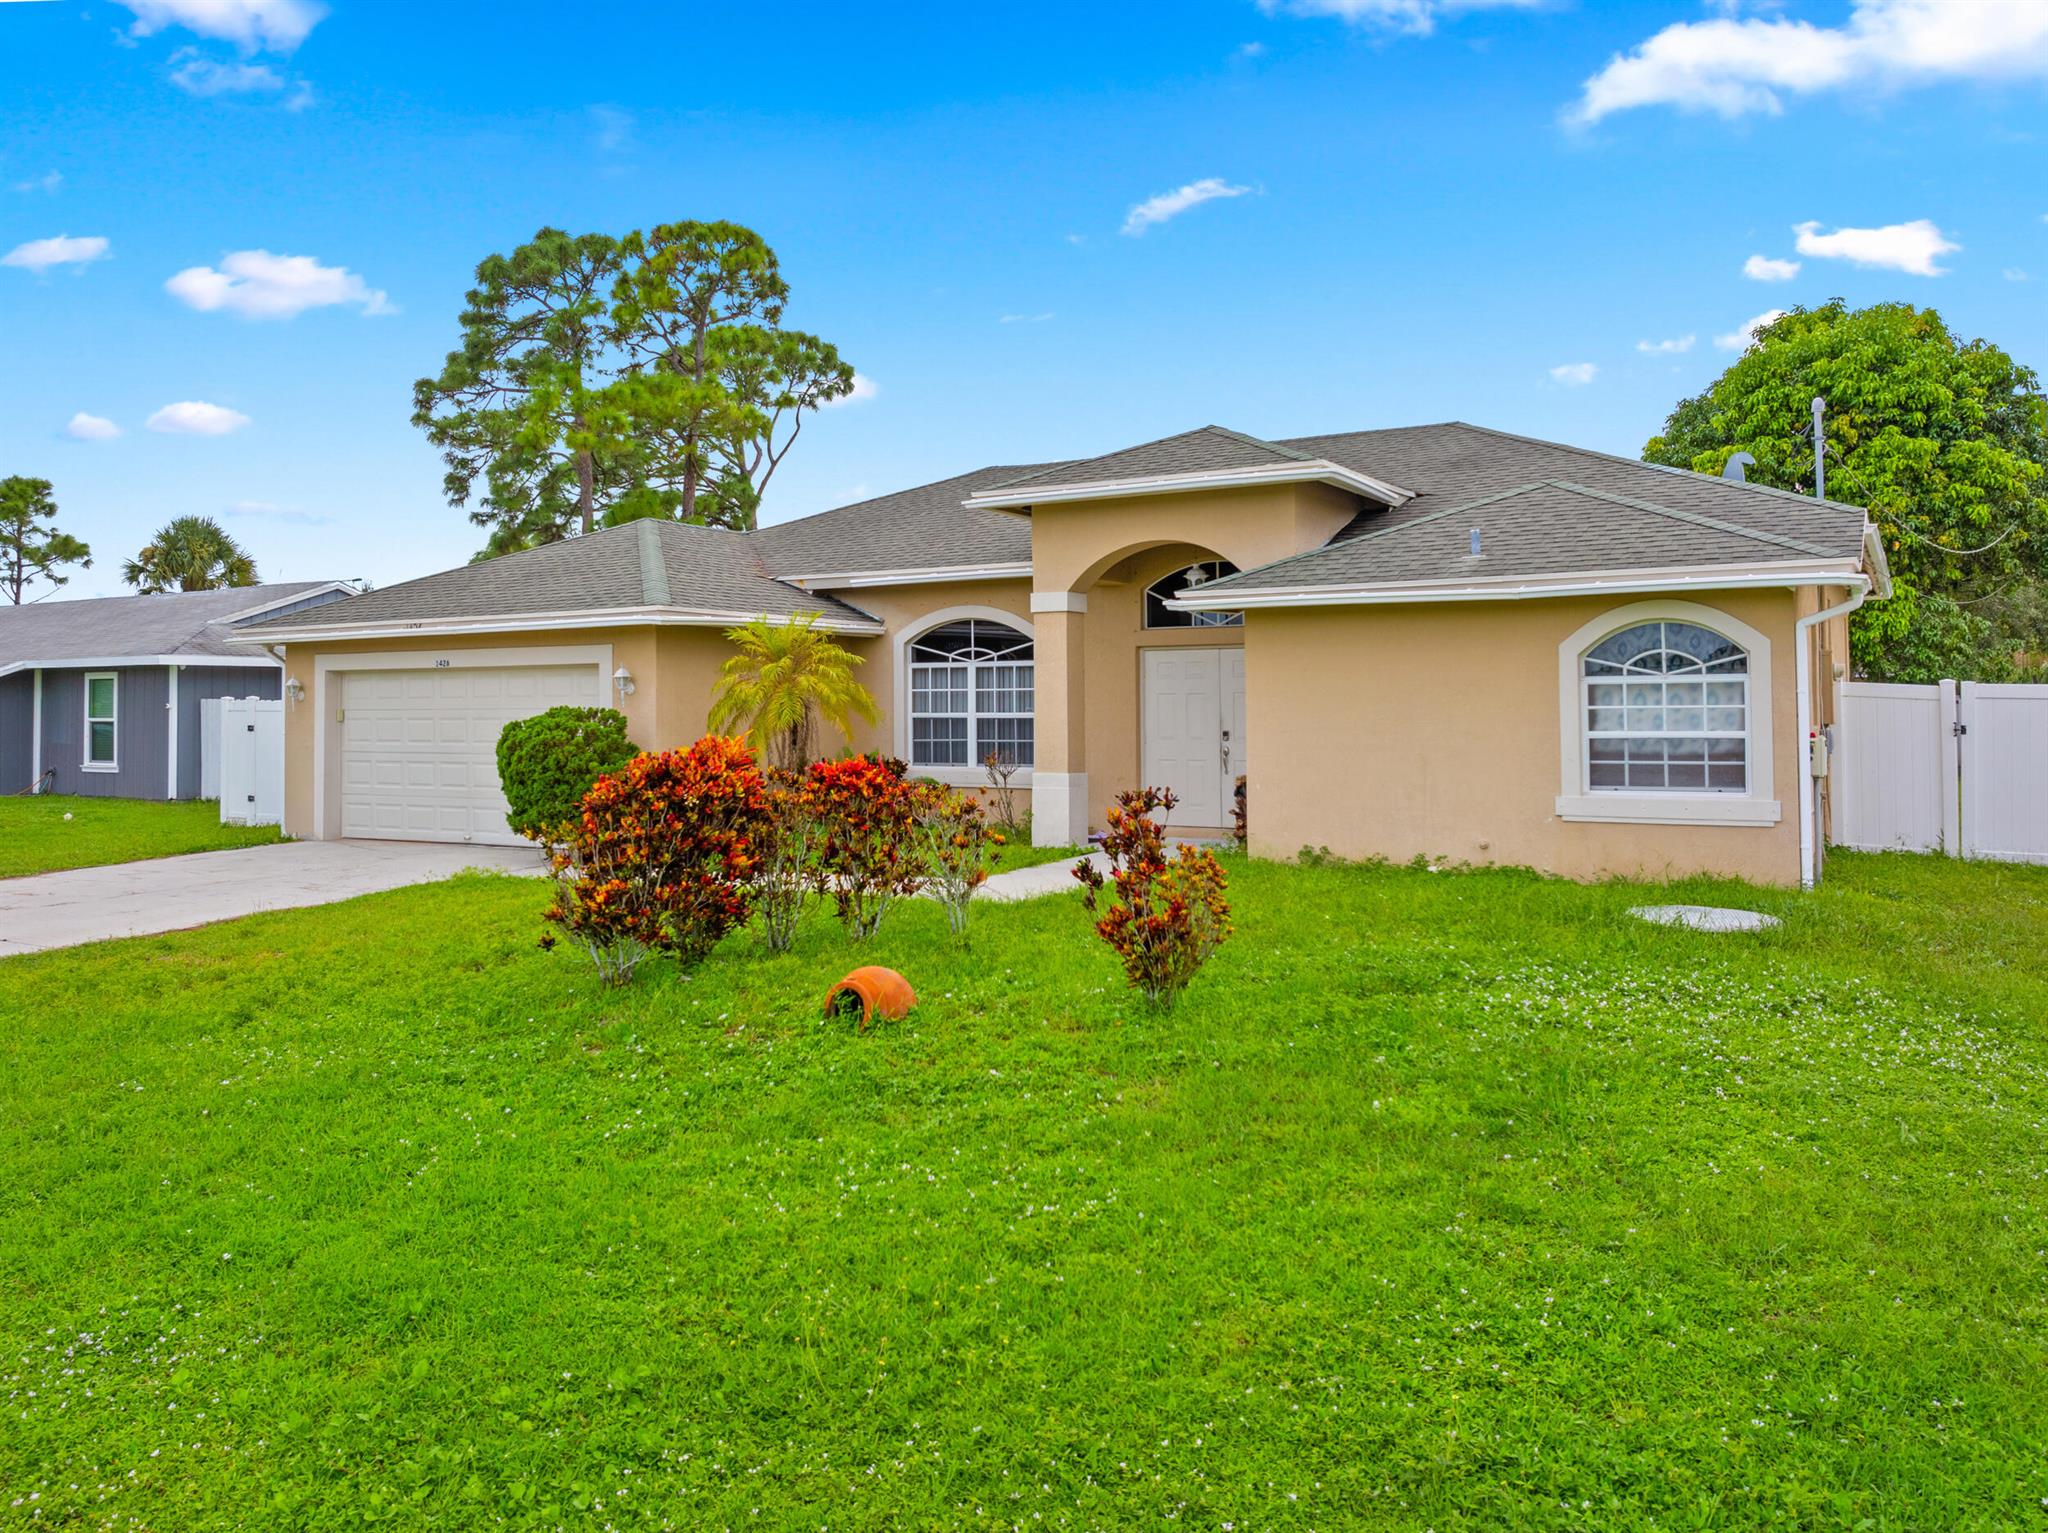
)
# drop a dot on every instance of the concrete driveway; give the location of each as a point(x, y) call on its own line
point(137, 899)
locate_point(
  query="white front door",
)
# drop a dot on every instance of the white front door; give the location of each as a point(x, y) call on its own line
point(419, 748)
point(1194, 730)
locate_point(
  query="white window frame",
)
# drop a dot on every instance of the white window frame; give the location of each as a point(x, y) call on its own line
point(973, 775)
point(113, 718)
point(1755, 806)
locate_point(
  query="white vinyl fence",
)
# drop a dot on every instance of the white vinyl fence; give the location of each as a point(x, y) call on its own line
point(1960, 768)
point(249, 761)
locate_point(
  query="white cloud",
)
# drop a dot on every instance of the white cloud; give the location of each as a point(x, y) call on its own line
point(1735, 66)
point(43, 183)
point(63, 250)
point(1418, 18)
point(91, 428)
point(1157, 210)
point(193, 417)
point(1739, 338)
point(1251, 50)
point(863, 390)
point(1676, 346)
point(1911, 248)
point(277, 26)
point(1763, 268)
point(1026, 319)
point(2013, 274)
point(1575, 374)
point(199, 75)
point(258, 285)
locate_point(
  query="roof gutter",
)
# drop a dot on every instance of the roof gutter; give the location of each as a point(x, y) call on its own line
point(109, 662)
point(1021, 498)
point(1729, 577)
point(853, 580)
point(532, 622)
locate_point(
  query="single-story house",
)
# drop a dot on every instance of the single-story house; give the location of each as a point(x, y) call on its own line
point(101, 696)
point(1439, 641)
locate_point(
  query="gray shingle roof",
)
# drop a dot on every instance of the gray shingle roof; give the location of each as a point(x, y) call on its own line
point(110, 627)
point(1545, 508)
point(1206, 449)
point(642, 564)
point(923, 528)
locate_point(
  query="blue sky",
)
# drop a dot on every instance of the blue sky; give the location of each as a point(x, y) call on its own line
point(1424, 210)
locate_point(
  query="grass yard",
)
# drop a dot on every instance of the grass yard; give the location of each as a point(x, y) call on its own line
point(1452, 1201)
point(49, 831)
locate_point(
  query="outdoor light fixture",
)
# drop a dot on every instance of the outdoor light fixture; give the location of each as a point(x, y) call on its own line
point(623, 680)
point(294, 689)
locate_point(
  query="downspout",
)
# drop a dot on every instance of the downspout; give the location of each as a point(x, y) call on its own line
point(35, 733)
point(1861, 589)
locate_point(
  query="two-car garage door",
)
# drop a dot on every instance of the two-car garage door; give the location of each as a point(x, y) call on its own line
point(419, 748)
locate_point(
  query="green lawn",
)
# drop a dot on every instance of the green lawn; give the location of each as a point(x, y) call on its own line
point(1452, 1201)
point(54, 830)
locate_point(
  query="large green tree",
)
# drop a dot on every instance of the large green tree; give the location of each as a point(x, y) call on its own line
point(190, 553)
point(520, 410)
point(1943, 440)
point(601, 380)
point(31, 547)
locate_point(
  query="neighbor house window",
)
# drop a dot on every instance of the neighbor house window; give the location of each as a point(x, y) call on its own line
point(102, 707)
point(971, 695)
point(1159, 615)
point(1666, 710)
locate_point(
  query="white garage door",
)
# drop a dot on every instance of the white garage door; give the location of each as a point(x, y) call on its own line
point(419, 749)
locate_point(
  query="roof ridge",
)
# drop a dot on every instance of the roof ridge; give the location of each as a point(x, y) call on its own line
point(653, 565)
point(1172, 436)
point(1697, 518)
point(1663, 468)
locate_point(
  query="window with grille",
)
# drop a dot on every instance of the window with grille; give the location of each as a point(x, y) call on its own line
point(1666, 711)
point(1159, 615)
point(971, 695)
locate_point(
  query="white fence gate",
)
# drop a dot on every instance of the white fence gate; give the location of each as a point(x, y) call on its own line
point(251, 761)
point(1961, 769)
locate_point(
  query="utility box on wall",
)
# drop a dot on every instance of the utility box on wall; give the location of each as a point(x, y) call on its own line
point(251, 761)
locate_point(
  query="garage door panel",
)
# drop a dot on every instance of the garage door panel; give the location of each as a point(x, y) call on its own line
point(419, 748)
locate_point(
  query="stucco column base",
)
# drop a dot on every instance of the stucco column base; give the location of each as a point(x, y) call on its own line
point(1059, 808)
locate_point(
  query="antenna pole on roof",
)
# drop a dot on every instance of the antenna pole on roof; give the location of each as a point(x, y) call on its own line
point(1820, 448)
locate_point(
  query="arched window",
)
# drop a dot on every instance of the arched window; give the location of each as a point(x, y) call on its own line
point(1666, 710)
point(971, 695)
point(1159, 615)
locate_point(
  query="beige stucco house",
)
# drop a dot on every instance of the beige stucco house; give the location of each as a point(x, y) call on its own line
point(1436, 641)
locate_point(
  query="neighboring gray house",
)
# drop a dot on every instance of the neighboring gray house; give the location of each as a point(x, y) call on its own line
point(102, 695)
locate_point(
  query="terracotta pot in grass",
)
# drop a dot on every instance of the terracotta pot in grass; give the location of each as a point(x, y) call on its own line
point(875, 991)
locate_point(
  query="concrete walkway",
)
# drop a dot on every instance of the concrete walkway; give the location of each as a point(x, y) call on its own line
point(1046, 878)
point(135, 899)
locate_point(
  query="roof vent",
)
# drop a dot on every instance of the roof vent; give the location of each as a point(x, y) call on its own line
point(1732, 469)
point(1475, 543)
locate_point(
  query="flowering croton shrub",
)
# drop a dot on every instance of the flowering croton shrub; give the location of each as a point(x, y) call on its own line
point(663, 858)
point(954, 844)
point(866, 859)
point(1165, 917)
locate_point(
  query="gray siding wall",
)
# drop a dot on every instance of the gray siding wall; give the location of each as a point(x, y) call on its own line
point(141, 734)
point(198, 682)
point(17, 728)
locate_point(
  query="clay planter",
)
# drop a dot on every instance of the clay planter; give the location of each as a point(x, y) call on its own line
point(881, 993)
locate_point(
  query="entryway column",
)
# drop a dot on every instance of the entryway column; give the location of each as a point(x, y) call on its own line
point(1059, 777)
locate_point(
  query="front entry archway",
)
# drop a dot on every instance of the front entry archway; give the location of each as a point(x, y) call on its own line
point(1193, 730)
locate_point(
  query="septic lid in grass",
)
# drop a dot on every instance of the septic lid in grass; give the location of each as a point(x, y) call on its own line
point(1704, 918)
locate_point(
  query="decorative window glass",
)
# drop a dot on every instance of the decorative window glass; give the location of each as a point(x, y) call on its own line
point(971, 695)
point(101, 707)
point(1667, 711)
point(1159, 615)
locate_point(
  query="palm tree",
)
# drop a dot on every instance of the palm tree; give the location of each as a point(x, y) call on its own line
point(785, 676)
point(190, 553)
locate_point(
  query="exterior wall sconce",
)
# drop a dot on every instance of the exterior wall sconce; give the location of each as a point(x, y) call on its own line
point(294, 689)
point(622, 680)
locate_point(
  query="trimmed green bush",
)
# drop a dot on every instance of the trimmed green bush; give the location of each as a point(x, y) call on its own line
point(548, 762)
